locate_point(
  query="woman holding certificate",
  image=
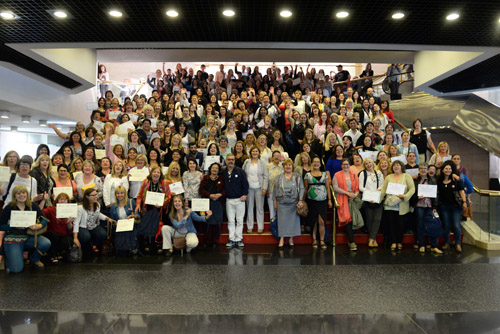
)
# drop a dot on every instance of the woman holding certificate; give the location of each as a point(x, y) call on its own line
point(63, 180)
point(41, 172)
point(182, 225)
point(212, 187)
point(153, 199)
point(86, 229)
point(88, 180)
point(141, 165)
point(370, 183)
point(346, 186)
point(58, 230)
point(16, 225)
point(117, 177)
point(124, 208)
point(399, 188)
point(451, 201)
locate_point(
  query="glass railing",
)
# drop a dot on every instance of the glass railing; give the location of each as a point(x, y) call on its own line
point(486, 213)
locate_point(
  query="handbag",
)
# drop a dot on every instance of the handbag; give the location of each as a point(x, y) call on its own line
point(304, 210)
point(432, 226)
point(75, 254)
point(274, 226)
point(179, 243)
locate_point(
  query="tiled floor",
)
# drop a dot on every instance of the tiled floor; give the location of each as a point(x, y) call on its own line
point(259, 290)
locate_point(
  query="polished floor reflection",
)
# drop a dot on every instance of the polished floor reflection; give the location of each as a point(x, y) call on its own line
point(70, 322)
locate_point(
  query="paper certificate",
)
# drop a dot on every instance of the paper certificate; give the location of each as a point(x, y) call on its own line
point(154, 198)
point(446, 159)
point(396, 188)
point(134, 117)
point(63, 190)
point(210, 159)
point(368, 154)
point(113, 114)
point(427, 190)
point(401, 158)
point(371, 195)
point(75, 174)
point(53, 171)
point(22, 218)
point(125, 225)
point(200, 204)
point(66, 210)
point(138, 175)
point(99, 126)
point(5, 174)
point(99, 154)
point(117, 140)
point(125, 126)
point(153, 122)
point(164, 170)
point(176, 188)
point(412, 171)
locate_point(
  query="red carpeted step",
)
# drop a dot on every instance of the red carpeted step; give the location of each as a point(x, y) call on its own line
point(267, 227)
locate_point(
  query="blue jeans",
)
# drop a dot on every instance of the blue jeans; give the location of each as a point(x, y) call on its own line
point(420, 214)
point(450, 216)
point(97, 235)
point(14, 253)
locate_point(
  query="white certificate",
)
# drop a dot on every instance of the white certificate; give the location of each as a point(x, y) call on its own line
point(134, 117)
point(99, 126)
point(125, 225)
point(200, 204)
point(164, 170)
point(154, 198)
point(125, 126)
point(117, 140)
point(113, 114)
point(371, 195)
point(92, 106)
point(138, 174)
point(153, 122)
point(5, 174)
point(395, 188)
point(427, 190)
point(75, 174)
point(22, 218)
point(401, 158)
point(446, 159)
point(368, 154)
point(412, 171)
point(210, 159)
point(296, 81)
point(176, 188)
point(66, 210)
point(99, 154)
point(63, 190)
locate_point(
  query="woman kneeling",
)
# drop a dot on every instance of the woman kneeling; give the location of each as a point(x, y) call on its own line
point(182, 222)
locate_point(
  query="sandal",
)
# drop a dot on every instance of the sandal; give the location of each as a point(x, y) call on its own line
point(393, 247)
point(322, 244)
point(315, 244)
point(54, 260)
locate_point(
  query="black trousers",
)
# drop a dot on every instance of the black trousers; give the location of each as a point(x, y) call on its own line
point(396, 226)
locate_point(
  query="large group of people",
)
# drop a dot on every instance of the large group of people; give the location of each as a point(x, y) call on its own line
point(242, 140)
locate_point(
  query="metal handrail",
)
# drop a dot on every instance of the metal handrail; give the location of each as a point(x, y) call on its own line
point(334, 226)
point(484, 192)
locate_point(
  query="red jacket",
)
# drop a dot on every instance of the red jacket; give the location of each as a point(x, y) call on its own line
point(221, 189)
point(58, 225)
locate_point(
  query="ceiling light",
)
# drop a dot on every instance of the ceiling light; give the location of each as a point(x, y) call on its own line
point(58, 126)
point(286, 13)
point(115, 13)
point(26, 119)
point(7, 15)
point(42, 122)
point(342, 14)
point(172, 13)
point(4, 114)
point(13, 128)
point(60, 14)
point(398, 16)
point(228, 12)
point(452, 16)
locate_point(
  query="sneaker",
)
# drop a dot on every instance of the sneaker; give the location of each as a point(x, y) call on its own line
point(240, 244)
point(436, 250)
point(38, 265)
point(230, 244)
point(353, 246)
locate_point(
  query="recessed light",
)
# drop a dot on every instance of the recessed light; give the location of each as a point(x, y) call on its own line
point(286, 13)
point(398, 16)
point(26, 119)
point(115, 13)
point(60, 14)
point(228, 12)
point(7, 15)
point(42, 122)
point(342, 14)
point(4, 114)
point(172, 13)
point(452, 16)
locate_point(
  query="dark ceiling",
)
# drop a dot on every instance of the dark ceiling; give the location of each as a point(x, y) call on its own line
point(312, 21)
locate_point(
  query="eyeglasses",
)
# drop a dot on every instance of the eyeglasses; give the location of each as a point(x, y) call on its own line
point(92, 195)
point(24, 165)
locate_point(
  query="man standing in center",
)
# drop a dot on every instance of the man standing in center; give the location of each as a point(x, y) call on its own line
point(236, 183)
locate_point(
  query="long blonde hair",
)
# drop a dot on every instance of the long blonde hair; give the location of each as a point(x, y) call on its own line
point(15, 191)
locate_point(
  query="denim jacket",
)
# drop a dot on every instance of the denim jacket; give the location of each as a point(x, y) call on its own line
point(186, 224)
point(129, 209)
